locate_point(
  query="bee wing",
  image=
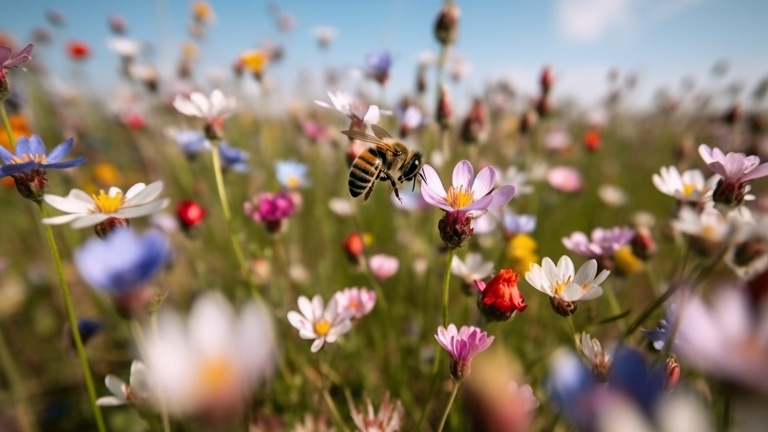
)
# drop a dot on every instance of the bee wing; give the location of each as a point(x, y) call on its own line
point(362, 136)
point(380, 132)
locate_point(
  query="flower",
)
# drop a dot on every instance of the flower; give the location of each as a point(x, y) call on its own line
point(210, 363)
point(87, 210)
point(378, 64)
point(517, 178)
point(383, 266)
point(122, 264)
point(463, 345)
point(270, 209)
point(291, 174)
point(233, 159)
point(190, 214)
point(447, 24)
point(124, 47)
point(565, 179)
point(389, 418)
point(467, 193)
point(28, 166)
point(357, 302)
point(254, 61)
point(213, 109)
point(78, 51)
point(708, 229)
point(138, 392)
point(521, 252)
point(8, 60)
point(601, 243)
point(324, 35)
point(563, 286)
point(192, 142)
point(473, 268)
point(690, 186)
point(736, 169)
point(318, 323)
point(515, 224)
point(500, 298)
point(361, 114)
point(612, 195)
point(598, 359)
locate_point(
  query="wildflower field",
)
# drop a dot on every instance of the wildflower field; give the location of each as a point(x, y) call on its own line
point(194, 254)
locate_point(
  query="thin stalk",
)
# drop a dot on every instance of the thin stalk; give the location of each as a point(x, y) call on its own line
point(613, 302)
point(70, 309)
point(446, 285)
point(334, 411)
point(650, 309)
point(448, 407)
point(15, 381)
point(574, 337)
point(7, 124)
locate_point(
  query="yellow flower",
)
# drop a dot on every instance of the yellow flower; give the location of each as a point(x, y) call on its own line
point(202, 11)
point(626, 262)
point(254, 61)
point(521, 252)
point(105, 173)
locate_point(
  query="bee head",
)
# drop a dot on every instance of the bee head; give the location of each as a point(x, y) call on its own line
point(412, 167)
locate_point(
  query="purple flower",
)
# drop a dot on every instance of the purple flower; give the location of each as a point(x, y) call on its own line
point(270, 209)
point(30, 155)
point(379, 62)
point(463, 345)
point(8, 60)
point(357, 302)
point(736, 170)
point(233, 159)
point(467, 193)
point(604, 242)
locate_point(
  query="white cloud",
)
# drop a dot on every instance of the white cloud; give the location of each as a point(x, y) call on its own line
point(588, 20)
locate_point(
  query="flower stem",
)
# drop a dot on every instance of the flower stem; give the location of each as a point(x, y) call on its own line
point(334, 411)
point(574, 337)
point(226, 210)
point(70, 309)
point(448, 407)
point(7, 125)
point(650, 309)
point(11, 372)
point(446, 284)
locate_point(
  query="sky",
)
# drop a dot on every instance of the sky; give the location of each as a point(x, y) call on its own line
point(661, 41)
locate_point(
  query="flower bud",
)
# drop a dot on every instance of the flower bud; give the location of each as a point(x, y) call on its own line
point(543, 106)
point(546, 81)
point(729, 194)
point(455, 229)
point(214, 129)
point(444, 108)
point(592, 140)
point(500, 297)
point(459, 370)
point(474, 128)
point(190, 214)
point(673, 373)
point(747, 251)
point(447, 24)
point(31, 185)
point(104, 228)
point(643, 244)
point(563, 307)
point(354, 246)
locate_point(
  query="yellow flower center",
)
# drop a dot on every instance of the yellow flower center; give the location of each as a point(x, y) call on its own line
point(688, 189)
point(458, 197)
point(28, 157)
point(322, 327)
point(560, 286)
point(215, 375)
point(108, 203)
point(626, 262)
point(293, 182)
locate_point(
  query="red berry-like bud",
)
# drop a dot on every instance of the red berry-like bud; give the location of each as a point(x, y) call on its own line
point(190, 214)
point(354, 246)
point(592, 140)
point(643, 245)
point(547, 79)
point(673, 373)
point(444, 108)
point(31, 185)
point(455, 229)
point(500, 297)
point(78, 51)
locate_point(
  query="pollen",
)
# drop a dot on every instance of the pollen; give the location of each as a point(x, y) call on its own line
point(688, 189)
point(29, 157)
point(560, 286)
point(322, 327)
point(108, 203)
point(216, 374)
point(293, 182)
point(459, 197)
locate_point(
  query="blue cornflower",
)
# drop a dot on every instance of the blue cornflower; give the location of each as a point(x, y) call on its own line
point(234, 159)
point(659, 336)
point(378, 64)
point(291, 174)
point(30, 155)
point(518, 224)
point(121, 264)
point(192, 142)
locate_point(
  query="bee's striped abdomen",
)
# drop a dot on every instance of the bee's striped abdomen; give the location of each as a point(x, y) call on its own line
point(364, 172)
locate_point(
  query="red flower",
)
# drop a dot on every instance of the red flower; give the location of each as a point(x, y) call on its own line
point(592, 139)
point(190, 213)
point(78, 51)
point(501, 297)
point(353, 246)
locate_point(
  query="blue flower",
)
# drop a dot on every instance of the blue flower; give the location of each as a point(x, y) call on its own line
point(291, 174)
point(519, 224)
point(379, 62)
point(232, 158)
point(659, 336)
point(123, 262)
point(30, 155)
point(192, 142)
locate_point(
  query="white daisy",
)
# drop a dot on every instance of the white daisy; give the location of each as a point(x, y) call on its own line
point(217, 106)
point(690, 186)
point(138, 392)
point(560, 281)
point(358, 112)
point(125, 47)
point(599, 360)
point(709, 225)
point(318, 323)
point(472, 268)
point(88, 210)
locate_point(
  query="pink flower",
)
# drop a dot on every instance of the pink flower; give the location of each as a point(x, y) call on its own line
point(357, 302)
point(467, 193)
point(463, 345)
point(270, 209)
point(602, 243)
point(736, 169)
point(383, 266)
point(565, 179)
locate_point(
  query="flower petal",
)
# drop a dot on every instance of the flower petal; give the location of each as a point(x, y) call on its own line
point(59, 151)
point(144, 209)
point(60, 220)
point(484, 182)
point(89, 220)
point(68, 204)
point(463, 174)
point(143, 195)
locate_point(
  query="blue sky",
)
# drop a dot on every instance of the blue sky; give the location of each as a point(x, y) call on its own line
point(662, 40)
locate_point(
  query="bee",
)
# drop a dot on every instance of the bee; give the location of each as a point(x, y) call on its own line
point(387, 159)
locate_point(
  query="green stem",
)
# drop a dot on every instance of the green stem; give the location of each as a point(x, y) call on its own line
point(227, 212)
point(334, 411)
point(613, 302)
point(446, 285)
point(448, 407)
point(11, 372)
point(70, 309)
point(7, 124)
point(575, 336)
point(650, 309)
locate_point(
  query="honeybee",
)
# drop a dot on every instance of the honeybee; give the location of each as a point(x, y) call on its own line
point(389, 157)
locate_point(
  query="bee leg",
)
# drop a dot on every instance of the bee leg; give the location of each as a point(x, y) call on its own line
point(387, 176)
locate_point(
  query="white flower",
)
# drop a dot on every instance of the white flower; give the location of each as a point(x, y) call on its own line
point(560, 281)
point(138, 392)
point(474, 268)
point(359, 112)
point(325, 34)
point(217, 106)
point(389, 418)
point(599, 360)
point(747, 256)
point(211, 362)
point(710, 225)
point(318, 323)
point(515, 177)
point(124, 47)
point(88, 210)
point(690, 186)
point(357, 302)
point(612, 195)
